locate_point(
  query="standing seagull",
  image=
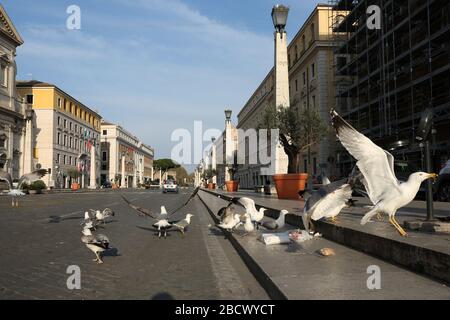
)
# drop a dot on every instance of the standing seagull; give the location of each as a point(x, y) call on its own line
point(276, 224)
point(377, 166)
point(96, 243)
point(183, 224)
point(28, 178)
point(248, 225)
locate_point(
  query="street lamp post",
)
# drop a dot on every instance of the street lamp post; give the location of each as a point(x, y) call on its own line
point(279, 18)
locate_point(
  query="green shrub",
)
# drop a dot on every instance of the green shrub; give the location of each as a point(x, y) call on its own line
point(38, 185)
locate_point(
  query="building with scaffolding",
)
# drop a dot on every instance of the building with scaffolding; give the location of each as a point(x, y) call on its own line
point(386, 77)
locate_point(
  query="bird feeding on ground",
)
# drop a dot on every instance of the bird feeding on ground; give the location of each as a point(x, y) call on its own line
point(377, 166)
point(101, 216)
point(276, 224)
point(96, 243)
point(231, 222)
point(88, 222)
point(182, 225)
point(250, 208)
point(16, 192)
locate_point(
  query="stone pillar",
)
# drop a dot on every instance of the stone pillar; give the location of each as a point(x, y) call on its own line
point(214, 161)
point(160, 178)
point(122, 181)
point(93, 170)
point(281, 94)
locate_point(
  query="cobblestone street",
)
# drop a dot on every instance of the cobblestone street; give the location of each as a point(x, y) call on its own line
point(41, 238)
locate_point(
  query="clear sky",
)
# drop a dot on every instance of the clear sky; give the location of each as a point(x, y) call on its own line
point(153, 65)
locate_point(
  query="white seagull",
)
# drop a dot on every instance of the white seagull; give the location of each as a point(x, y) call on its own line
point(231, 222)
point(28, 178)
point(162, 219)
point(327, 202)
point(88, 222)
point(276, 224)
point(250, 208)
point(101, 216)
point(377, 166)
point(248, 224)
point(182, 225)
point(96, 243)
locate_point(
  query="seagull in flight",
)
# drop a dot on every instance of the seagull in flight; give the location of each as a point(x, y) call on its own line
point(377, 166)
point(101, 216)
point(16, 192)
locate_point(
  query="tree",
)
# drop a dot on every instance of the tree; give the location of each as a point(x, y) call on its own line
point(298, 130)
point(165, 165)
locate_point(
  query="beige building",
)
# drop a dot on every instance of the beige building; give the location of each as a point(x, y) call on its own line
point(311, 84)
point(16, 117)
point(67, 135)
point(126, 161)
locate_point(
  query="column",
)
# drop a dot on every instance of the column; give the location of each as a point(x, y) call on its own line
point(93, 170)
point(122, 181)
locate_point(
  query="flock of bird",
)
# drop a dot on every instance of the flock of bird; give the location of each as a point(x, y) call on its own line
point(374, 170)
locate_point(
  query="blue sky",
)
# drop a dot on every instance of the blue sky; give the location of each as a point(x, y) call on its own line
point(152, 65)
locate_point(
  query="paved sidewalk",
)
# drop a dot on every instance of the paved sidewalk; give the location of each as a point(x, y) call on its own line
point(298, 272)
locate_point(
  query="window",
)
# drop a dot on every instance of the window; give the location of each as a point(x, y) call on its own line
point(70, 160)
point(70, 142)
point(59, 121)
point(30, 98)
point(313, 70)
point(3, 141)
point(64, 159)
point(59, 103)
point(65, 123)
point(58, 158)
point(76, 144)
point(59, 138)
point(70, 126)
point(65, 142)
point(104, 156)
point(296, 85)
point(76, 128)
point(104, 167)
point(4, 75)
point(304, 78)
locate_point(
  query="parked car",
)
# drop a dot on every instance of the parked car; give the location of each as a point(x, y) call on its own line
point(106, 185)
point(442, 185)
point(170, 186)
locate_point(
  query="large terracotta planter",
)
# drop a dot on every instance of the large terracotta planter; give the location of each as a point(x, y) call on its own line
point(232, 186)
point(211, 186)
point(288, 185)
point(75, 186)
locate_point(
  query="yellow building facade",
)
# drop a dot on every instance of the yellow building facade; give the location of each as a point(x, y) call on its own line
point(66, 133)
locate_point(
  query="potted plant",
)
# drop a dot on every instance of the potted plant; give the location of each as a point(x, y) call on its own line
point(74, 174)
point(208, 175)
point(298, 130)
point(232, 184)
point(37, 187)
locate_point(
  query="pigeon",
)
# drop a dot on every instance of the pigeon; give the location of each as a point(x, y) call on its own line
point(96, 243)
point(28, 178)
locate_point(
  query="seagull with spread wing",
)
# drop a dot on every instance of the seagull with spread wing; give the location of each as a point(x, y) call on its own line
point(16, 192)
point(162, 219)
point(250, 208)
point(377, 166)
